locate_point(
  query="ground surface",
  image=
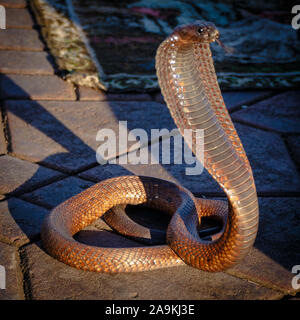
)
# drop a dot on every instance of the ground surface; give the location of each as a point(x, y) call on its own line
point(47, 154)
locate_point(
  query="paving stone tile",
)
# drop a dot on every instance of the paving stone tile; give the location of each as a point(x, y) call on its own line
point(18, 18)
point(18, 176)
point(50, 279)
point(63, 133)
point(234, 99)
point(13, 86)
point(277, 247)
point(273, 169)
point(13, 3)
point(128, 97)
point(272, 166)
point(294, 145)
point(9, 260)
point(88, 94)
point(20, 221)
point(280, 113)
point(57, 192)
point(24, 62)
point(20, 39)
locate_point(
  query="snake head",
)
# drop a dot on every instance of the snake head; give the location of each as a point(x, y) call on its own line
point(198, 31)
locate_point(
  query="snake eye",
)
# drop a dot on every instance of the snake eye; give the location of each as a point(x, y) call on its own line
point(200, 30)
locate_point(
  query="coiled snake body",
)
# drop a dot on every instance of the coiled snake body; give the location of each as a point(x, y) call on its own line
point(189, 85)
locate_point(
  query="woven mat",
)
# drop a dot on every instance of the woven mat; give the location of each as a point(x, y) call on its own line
point(117, 41)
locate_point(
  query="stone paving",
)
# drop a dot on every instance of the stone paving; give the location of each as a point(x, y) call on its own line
point(48, 150)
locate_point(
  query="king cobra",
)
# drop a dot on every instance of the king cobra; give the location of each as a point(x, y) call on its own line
point(188, 82)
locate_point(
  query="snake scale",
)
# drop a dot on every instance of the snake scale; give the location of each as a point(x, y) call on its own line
point(188, 82)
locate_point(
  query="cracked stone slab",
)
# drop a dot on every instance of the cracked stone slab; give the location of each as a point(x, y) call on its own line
point(25, 62)
point(9, 260)
point(234, 99)
point(57, 192)
point(13, 3)
point(273, 169)
point(63, 134)
point(20, 221)
point(14, 86)
point(51, 279)
point(20, 39)
point(18, 176)
point(280, 113)
point(277, 246)
point(18, 18)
